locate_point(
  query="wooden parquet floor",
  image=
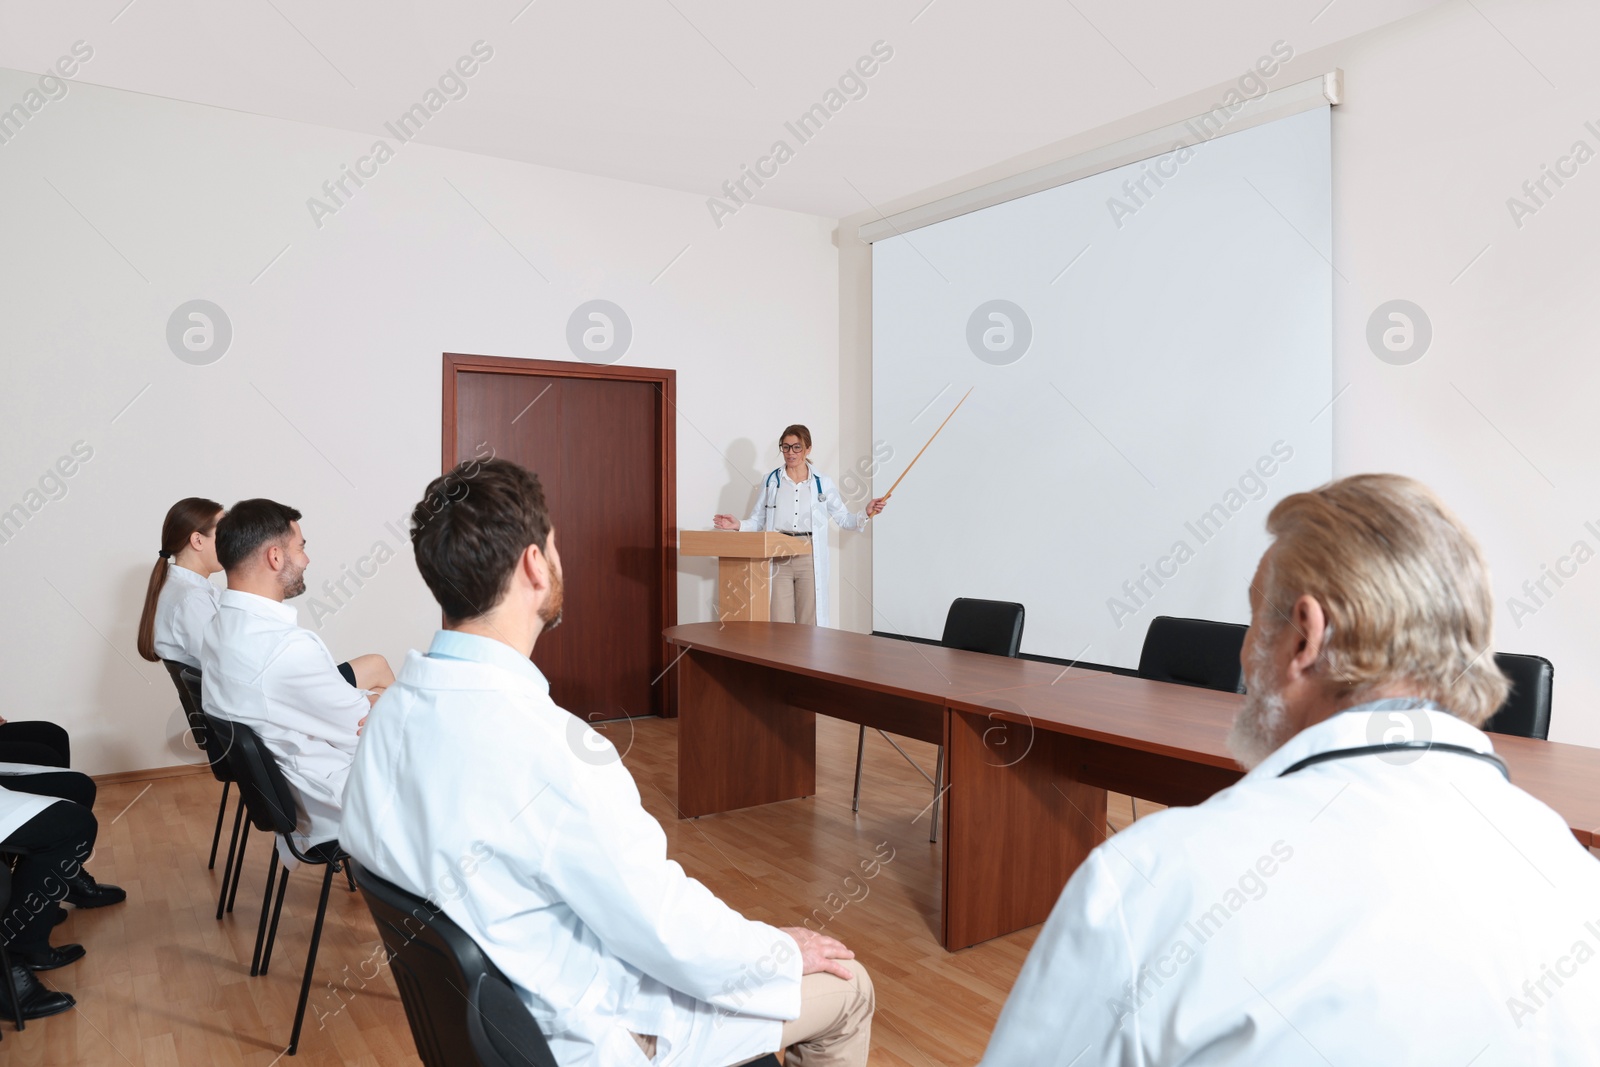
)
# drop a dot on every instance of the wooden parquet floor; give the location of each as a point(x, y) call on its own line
point(165, 983)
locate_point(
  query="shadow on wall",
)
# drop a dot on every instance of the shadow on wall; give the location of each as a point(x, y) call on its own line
point(125, 712)
point(736, 497)
point(739, 495)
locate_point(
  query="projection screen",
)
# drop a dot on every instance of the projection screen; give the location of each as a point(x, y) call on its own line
point(1150, 357)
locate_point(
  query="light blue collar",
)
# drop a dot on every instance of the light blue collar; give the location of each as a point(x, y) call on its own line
point(1394, 704)
point(453, 644)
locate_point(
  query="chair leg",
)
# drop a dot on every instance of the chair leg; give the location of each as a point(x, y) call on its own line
point(11, 989)
point(216, 835)
point(266, 905)
point(227, 864)
point(938, 794)
point(277, 911)
point(350, 876)
point(238, 867)
point(1133, 802)
point(311, 959)
point(861, 751)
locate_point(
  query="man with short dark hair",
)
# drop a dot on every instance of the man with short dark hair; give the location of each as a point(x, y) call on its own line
point(472, 788)
point(1375, 890)
point(260, 667)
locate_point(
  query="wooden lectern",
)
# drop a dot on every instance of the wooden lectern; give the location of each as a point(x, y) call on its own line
point(744, 567)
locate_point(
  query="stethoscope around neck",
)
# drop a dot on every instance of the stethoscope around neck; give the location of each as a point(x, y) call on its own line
point(1389, 748)
point(771, 487)
point(1399, 746)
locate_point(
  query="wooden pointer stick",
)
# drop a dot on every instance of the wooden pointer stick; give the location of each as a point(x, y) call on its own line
point(924, 448)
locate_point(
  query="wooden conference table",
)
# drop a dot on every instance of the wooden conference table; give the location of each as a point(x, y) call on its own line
point(1030, 750)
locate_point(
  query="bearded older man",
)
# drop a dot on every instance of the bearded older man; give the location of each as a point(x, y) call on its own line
point(1374, 890)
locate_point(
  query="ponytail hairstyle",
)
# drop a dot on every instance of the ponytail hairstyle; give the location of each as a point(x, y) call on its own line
point(189, 516)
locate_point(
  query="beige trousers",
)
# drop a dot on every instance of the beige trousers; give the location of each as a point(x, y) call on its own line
point(794, 590)
point(835, 1024)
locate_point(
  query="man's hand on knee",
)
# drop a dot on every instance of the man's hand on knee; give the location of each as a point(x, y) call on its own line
point(819, 952)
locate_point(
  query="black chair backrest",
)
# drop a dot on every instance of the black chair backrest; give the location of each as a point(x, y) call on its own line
point(1194, 652)
point(188, 698)
point(991, 626)
point(462, 1009)
point(1526, 712)
point(268, 797)
point(189, 681)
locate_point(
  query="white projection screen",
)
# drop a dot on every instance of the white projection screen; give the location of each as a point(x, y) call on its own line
point(1149, 370)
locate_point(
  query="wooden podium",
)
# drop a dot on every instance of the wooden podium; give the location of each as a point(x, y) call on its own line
point(744, 567)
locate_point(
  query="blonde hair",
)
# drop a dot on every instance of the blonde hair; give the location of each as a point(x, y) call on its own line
point(1404, 586)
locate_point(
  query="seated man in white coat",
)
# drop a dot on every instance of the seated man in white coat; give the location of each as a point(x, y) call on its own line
point(1375, 890)
point(472, 788)
point(260, 667)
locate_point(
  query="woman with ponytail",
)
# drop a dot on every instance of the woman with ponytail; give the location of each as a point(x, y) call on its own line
point(180, 599)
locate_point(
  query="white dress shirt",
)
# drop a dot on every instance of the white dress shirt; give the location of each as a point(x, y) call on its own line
point(789, 507)
point(1403, 908)
point(793, 501)
point(184, 609)
point(261, 668)
point(472, 788)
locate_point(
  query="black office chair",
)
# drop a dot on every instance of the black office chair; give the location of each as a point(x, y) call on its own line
point(260, 812)
point(1526, 712)
point(272, 802)
point(187, 681)
point(463, 1012)
point(993, 627)
point(12, 1000)
point(1194, 652)
point(218, 745)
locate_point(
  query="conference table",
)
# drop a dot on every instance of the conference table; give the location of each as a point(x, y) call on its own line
point(1031, 749)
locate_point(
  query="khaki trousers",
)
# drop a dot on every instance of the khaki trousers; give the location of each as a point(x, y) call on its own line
point(794, 590)
point(835, 1024)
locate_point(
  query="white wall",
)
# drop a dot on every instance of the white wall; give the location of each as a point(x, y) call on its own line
point(118, 207)
point(1446, 115)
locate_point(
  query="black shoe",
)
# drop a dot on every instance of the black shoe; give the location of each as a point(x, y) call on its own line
point(51, 957)
point(36, 1001)
point(61, 916)
point(84, 892)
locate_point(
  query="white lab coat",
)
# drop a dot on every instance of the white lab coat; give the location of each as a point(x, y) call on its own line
point(261, 668)
point(186, 606)
point(472, 788)
point(831, 505)
point(1359, 911)
point(17, 808)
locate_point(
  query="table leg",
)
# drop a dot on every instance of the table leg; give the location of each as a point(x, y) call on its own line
point(1017, 824)
point(739, 743)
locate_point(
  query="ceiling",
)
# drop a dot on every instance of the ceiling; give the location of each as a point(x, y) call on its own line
point(684, 93)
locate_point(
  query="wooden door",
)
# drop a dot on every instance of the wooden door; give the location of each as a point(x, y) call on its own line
point(599, 438)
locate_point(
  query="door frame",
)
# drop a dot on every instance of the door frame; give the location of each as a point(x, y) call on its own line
point(666, 386)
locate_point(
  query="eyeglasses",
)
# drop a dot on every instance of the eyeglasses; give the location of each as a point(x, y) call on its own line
point(791, 448)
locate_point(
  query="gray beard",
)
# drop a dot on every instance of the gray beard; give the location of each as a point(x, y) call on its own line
point(1259, 725)
point(1255, 731)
